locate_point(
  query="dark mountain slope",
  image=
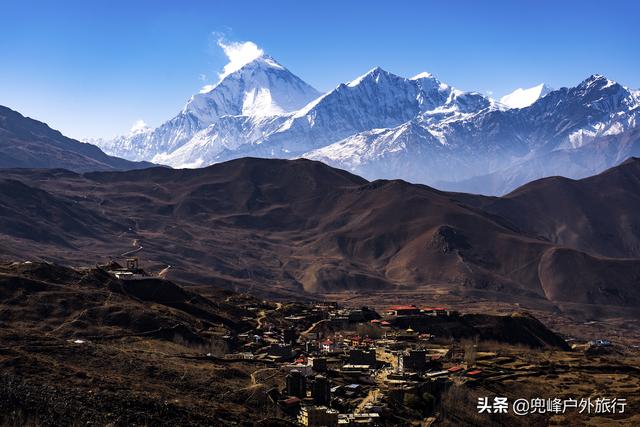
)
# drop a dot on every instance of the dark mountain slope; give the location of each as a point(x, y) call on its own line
point(79, 346)
point(28, 143)
point(598, 215)
point(296, 227)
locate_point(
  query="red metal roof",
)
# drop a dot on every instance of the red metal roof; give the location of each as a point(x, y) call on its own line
point(403, 307)
point(475, 372)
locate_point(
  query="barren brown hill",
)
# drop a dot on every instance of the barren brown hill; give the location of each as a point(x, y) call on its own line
point(303, 228)
point(81, 347)
point(598, 214)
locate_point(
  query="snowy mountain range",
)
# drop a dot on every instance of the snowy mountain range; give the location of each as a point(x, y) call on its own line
point(381, 125)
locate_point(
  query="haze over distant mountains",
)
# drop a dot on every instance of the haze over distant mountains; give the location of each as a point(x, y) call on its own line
point(381, 125)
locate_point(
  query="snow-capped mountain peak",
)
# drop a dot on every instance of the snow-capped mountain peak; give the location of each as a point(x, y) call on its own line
point(373, 74)
point(422, 75)
point(427, 82)
point(521, 98)
point(596, 82)
point(260, 88)
point(384, 125)
point(263, 87)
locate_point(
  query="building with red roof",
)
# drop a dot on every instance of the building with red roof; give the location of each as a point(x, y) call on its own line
point(403, 310)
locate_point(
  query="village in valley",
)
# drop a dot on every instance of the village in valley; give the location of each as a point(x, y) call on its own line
point(326, 364)
point(121, 345)
point(339, 369)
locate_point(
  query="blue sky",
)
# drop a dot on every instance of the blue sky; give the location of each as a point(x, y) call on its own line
point(92, 68)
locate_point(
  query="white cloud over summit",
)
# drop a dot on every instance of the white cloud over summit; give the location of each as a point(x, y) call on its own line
point(238, 53)
point(139, 126)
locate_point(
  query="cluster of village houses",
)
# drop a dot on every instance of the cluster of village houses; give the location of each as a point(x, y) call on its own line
point(343, 366)
point(350, 364)
point(347, 366)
